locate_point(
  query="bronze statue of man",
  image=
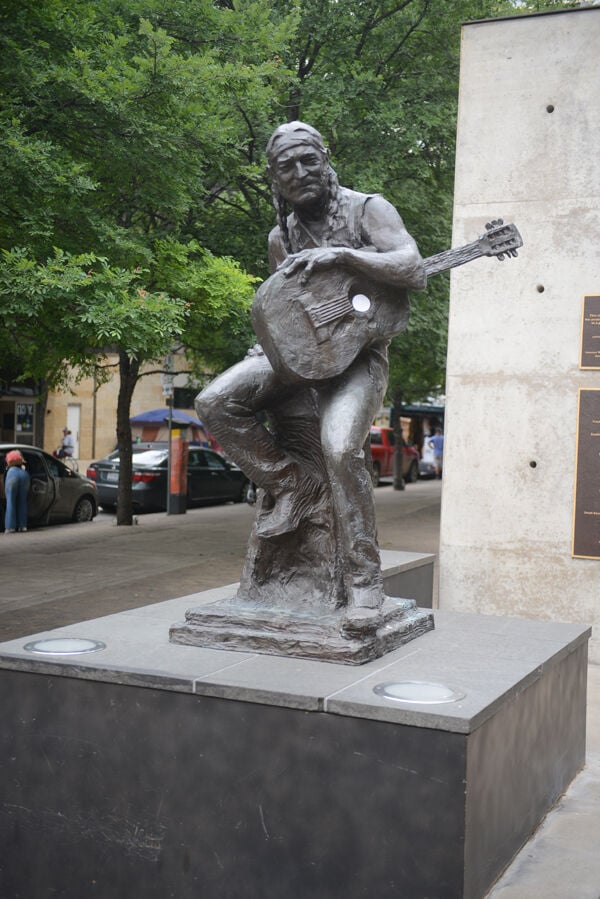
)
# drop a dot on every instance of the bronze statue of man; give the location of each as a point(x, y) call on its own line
point(322, 228)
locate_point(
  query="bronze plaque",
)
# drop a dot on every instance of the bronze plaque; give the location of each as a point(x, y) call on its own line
point(586, 514)
point(590, 333)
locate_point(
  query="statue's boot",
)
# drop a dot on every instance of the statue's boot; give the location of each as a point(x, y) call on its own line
point(363, 616)
point(293, 504)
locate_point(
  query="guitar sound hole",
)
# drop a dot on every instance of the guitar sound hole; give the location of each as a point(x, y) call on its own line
point(361, 302)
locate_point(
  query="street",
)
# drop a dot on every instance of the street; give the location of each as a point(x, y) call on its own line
point(58, 575)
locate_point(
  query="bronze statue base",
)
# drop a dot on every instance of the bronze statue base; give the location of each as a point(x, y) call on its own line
point(231, 624)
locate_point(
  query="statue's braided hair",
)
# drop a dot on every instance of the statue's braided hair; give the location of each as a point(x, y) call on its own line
point(331, 210)
point(294, 133)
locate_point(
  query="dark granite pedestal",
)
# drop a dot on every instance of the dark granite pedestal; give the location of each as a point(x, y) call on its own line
point(149, 769)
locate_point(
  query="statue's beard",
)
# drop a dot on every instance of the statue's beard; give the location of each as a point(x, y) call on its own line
point(316, 207)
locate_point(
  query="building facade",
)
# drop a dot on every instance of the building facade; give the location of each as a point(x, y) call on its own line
point(89, 410)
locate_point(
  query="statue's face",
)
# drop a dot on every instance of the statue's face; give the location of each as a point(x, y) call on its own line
point(300, 173)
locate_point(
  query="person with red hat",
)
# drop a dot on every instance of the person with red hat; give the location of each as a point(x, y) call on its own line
point(16, 488)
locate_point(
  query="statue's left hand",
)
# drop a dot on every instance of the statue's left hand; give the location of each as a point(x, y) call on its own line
point(312, 260)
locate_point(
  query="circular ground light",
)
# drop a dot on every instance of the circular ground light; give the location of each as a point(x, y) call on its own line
point(64, 646)
point(420, 692)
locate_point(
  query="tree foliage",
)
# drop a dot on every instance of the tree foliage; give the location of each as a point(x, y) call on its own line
point(379, 78)
point(121, 121)
point(118, 122)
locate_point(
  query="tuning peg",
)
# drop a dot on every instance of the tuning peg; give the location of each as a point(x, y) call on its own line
point(501, 256)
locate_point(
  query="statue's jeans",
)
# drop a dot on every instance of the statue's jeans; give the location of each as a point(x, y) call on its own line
point(346, 407)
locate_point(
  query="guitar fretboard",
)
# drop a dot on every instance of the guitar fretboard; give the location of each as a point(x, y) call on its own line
point(505, 240)
point(501, 240)
point(441, 262)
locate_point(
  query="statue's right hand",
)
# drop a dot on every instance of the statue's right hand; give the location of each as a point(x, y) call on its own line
point(294, 261)
point(312, 260)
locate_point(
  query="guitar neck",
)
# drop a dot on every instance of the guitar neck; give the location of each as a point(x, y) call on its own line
point(442, 262)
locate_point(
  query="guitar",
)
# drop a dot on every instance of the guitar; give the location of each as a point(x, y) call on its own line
point(312, 332)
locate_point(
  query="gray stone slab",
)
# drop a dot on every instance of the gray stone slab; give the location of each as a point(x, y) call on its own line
point(486, 658)
point(293, 683)
point(396, 561)
point(409, 575)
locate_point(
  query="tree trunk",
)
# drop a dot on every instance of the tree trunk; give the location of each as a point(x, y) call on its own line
point(129, 370)
point(40, 413)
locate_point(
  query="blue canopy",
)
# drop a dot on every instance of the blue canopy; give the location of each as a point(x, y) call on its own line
point(160, 416)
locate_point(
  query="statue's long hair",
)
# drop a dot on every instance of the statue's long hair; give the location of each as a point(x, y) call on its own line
point(332, 203)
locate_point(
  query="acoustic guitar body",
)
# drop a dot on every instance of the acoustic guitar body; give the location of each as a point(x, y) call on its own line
point(312, 332)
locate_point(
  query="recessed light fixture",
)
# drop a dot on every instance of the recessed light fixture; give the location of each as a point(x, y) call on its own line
point(59, 646)
point(420, 692)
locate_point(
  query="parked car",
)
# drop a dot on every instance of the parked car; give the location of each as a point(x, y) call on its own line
point(210, 479)
point(426, 469)
point(57, 493)
point(383, 447)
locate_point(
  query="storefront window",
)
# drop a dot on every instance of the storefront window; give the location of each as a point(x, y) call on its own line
point(16, 422)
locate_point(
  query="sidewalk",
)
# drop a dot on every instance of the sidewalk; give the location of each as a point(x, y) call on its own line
point(66, 573)
point(60, 575)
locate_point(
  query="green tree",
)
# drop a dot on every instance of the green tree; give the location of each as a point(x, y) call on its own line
point(218, 295)
point(99, 308)
point(379, 78)
point(118, 123)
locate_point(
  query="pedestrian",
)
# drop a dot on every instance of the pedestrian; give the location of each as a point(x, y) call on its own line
point(67, 447)
point(16, 488)
point(437, 445)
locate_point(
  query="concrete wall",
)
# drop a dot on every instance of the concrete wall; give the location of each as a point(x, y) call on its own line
point(528, 133)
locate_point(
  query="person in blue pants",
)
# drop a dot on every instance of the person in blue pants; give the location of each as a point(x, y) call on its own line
point(16, 488)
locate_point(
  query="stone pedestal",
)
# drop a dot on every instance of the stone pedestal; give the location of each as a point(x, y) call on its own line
point(231, 624)
point(151, 769)
point(409, 575)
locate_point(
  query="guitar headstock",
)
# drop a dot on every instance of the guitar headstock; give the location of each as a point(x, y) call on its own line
point(500, 240)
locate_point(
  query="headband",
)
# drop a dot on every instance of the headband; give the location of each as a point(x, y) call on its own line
point(292, 134)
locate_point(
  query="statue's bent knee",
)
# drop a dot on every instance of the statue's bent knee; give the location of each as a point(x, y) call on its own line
point(208, 401)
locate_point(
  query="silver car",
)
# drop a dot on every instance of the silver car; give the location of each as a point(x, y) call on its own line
point(56, 493)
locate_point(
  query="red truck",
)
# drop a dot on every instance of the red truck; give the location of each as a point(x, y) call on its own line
point(383, 446)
